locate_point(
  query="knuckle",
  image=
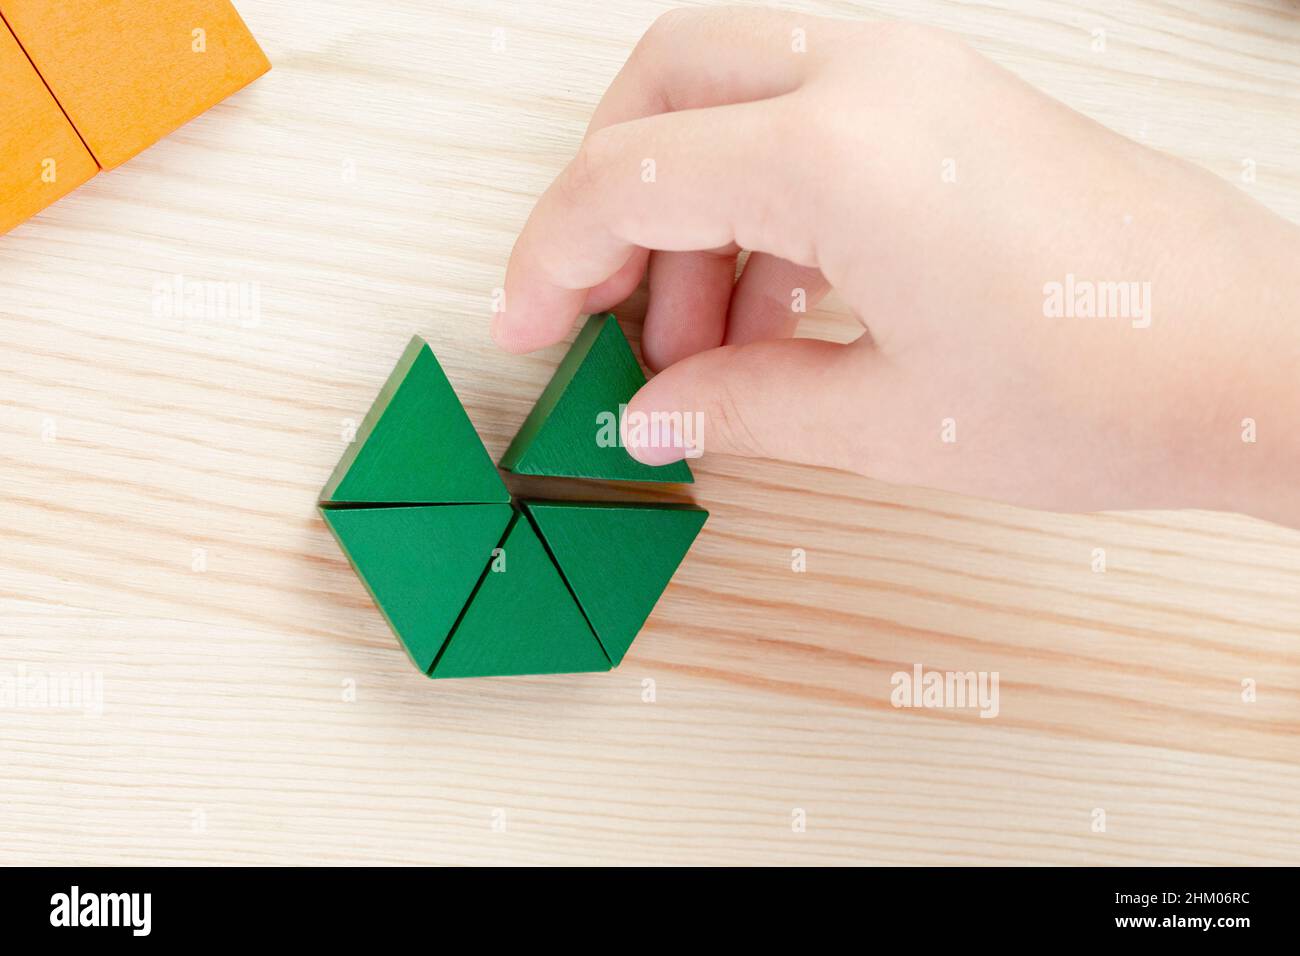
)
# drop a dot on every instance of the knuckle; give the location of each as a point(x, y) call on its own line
point(654, 52)
point(900, 32)
point(583, 174)
point(909, 40)
point(668, 24)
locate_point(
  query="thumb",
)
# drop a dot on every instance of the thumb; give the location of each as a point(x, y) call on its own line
point(792, 399)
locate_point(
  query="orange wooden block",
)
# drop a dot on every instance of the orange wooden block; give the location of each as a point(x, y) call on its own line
point(128, 72)
point(41, 157)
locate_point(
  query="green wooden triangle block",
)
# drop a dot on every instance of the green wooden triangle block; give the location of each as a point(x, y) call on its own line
point(420, 564)
point(522, 619)
point(617, 558)
point(416, 444)
point(560, 436)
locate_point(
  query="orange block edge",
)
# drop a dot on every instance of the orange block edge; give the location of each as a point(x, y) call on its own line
point(42, 158)
point(127, 73)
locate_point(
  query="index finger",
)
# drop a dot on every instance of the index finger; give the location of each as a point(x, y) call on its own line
point(680, 182)
point(688, 59)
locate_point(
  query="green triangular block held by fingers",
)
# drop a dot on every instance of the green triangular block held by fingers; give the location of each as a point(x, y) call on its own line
point(521, 620)
point(617, 558)
point(420, 564)
point(416, 445)
point(567, 432)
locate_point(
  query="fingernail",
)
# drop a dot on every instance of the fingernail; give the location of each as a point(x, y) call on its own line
point(656, 454)
point(649, 445)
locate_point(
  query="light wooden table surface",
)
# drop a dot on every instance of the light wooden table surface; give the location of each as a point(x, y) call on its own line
point(159, 529)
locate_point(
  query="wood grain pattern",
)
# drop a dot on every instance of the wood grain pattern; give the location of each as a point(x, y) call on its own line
point(159, 524)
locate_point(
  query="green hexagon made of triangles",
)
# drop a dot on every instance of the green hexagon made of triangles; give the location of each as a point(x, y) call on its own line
point(475, 584)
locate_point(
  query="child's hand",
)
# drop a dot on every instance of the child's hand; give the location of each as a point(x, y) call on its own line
point(972, 224)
